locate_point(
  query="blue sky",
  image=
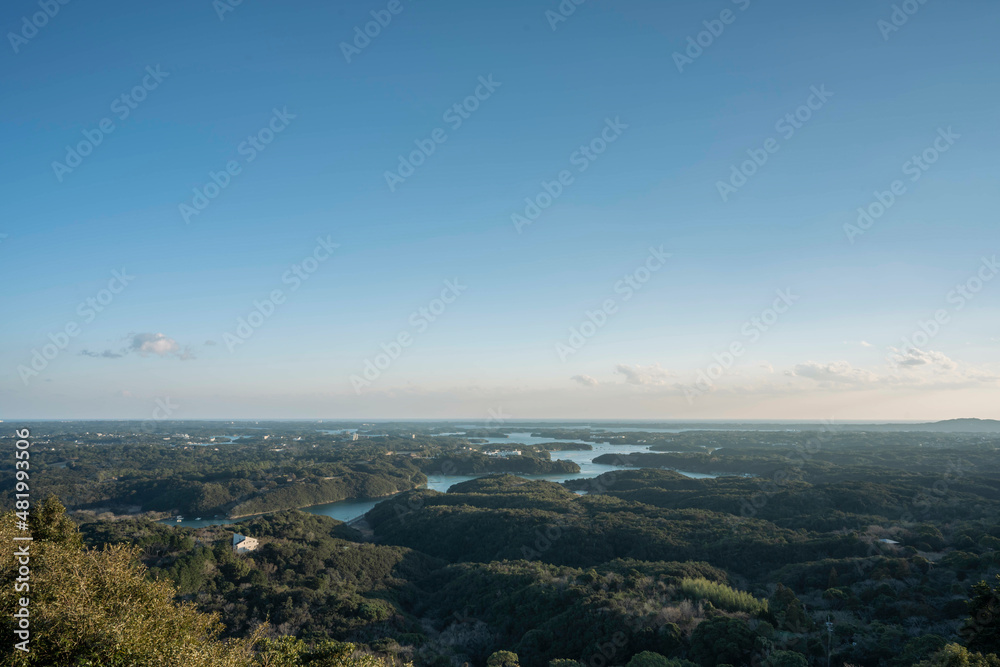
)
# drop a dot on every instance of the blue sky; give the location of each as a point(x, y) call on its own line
point(223, 77)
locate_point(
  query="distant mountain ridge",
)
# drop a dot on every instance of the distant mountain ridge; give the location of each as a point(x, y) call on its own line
point(962, 425)
point(965, 425)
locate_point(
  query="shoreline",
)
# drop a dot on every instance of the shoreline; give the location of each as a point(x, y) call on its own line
point(328, 502)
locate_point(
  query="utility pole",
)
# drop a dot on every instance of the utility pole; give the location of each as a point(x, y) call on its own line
point(829, 641)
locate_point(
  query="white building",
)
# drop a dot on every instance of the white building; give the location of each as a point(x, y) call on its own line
point(243, 544)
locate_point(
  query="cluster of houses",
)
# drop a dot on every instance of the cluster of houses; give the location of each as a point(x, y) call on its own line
point(502, 453)
point(354, 436)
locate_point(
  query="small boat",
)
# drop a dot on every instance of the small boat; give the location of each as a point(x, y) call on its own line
point(179, 518)
point(198, 519)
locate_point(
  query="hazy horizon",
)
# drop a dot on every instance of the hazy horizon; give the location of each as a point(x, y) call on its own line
point(505, 423)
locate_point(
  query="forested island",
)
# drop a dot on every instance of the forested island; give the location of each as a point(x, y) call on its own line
point(820, 547)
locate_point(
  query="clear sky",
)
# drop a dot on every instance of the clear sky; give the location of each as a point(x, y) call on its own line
point(612, 120)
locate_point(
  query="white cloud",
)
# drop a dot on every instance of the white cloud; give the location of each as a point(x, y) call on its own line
point(837, 372)
point(107, 354)
point(146, 344)
point(158, 344)
point(930, 368)
point(648, 375)
point(924, 369)
point(585, 380)
point(915, 357)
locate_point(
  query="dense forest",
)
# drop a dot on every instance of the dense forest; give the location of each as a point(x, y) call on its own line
point(820, 548)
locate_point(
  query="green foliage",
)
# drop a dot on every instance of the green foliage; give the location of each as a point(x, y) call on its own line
point(239, 479)
point(981, 629)
point(955, 655)
point(474, 463)
point(95, 607)
point(787, 610)
point(722, 596)
point(502, 659)
point(919, 648)
point(304, 578)
point(48, 523)
point(353, 483)
point(721, 640)
point(293, 652)
point(497, 518)
point(92, 607)
point(281, 652)
point(651, 659)
point(786, 659)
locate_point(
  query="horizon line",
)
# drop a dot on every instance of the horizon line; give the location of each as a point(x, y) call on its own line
point(496, 425)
